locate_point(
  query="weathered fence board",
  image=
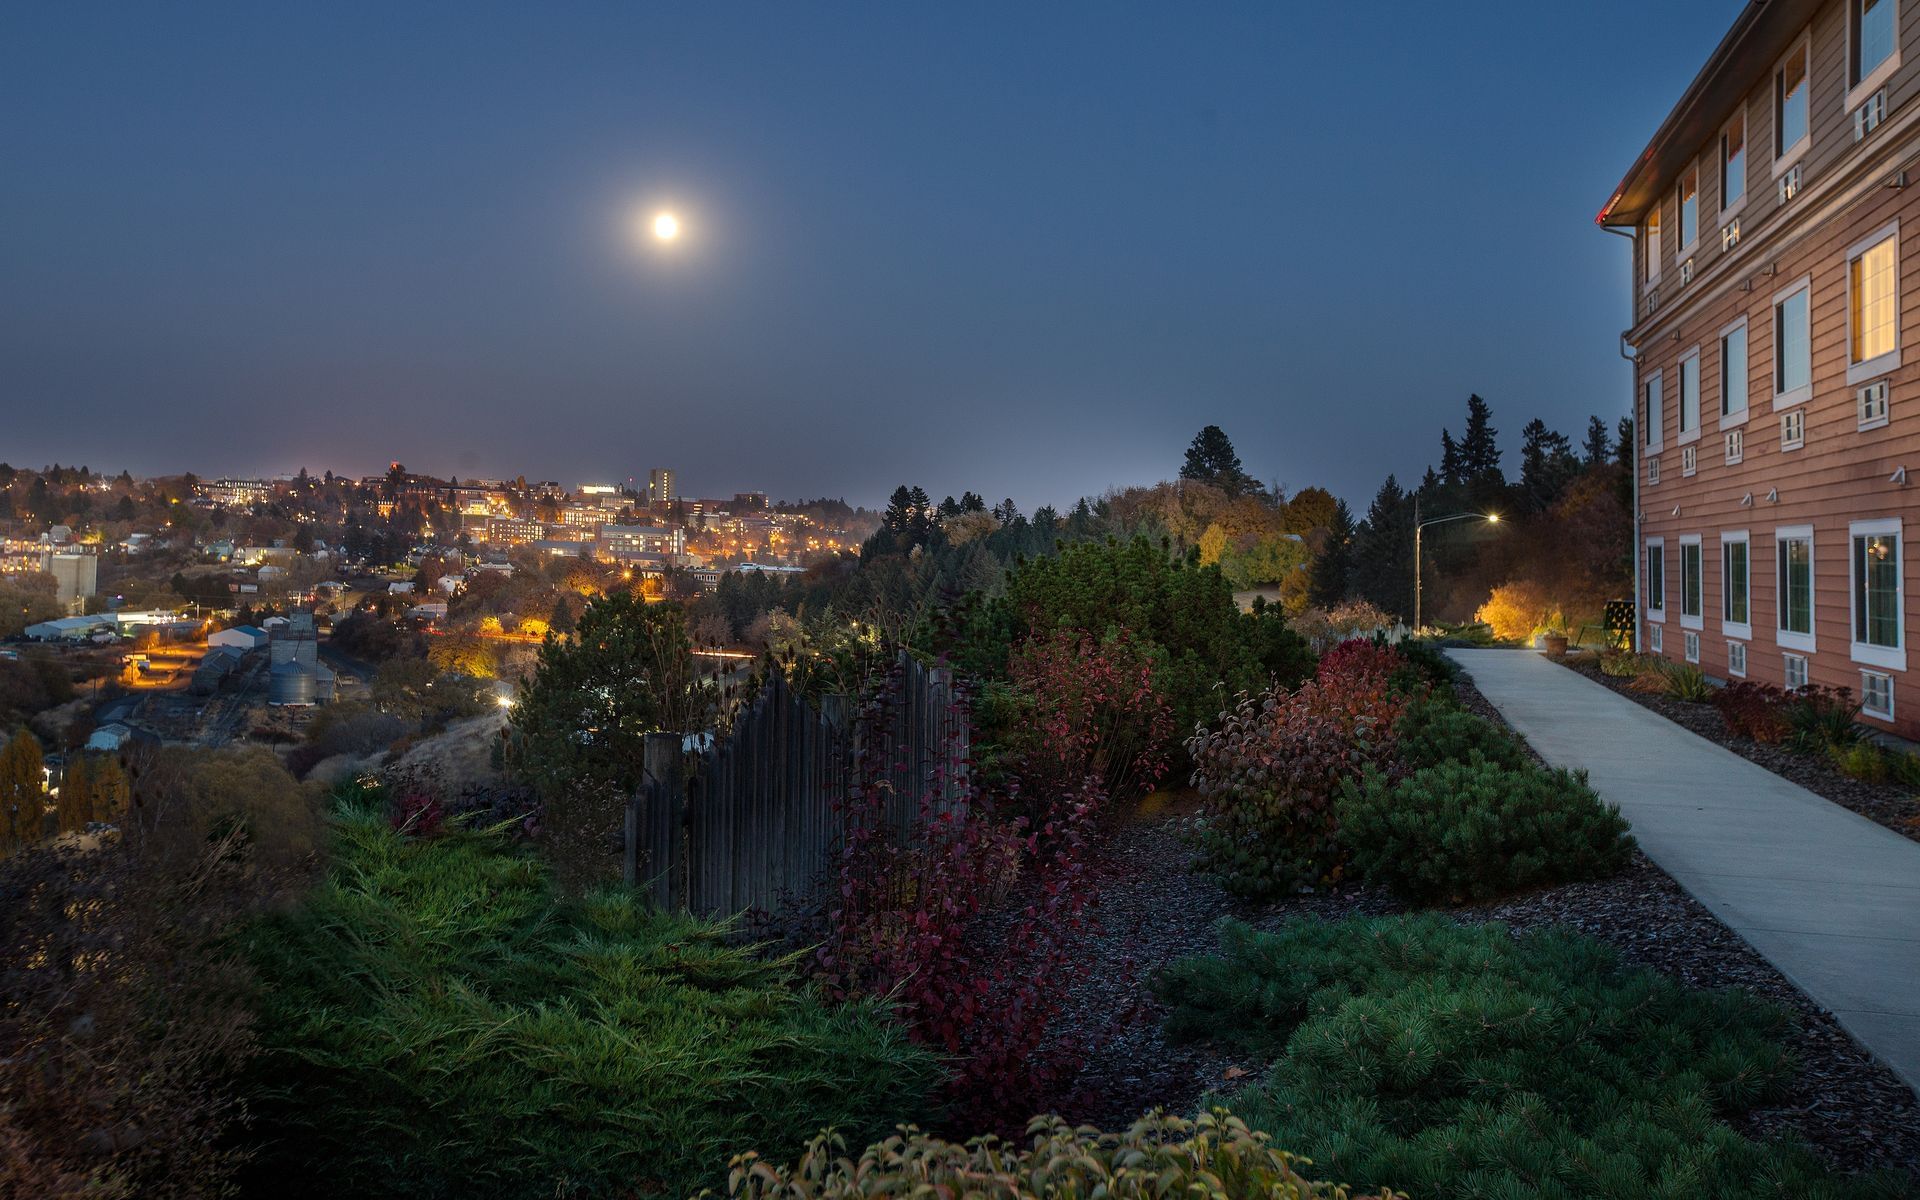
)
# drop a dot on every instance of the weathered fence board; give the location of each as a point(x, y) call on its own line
point(752, 821)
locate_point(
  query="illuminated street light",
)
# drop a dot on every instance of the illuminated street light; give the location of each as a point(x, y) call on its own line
point(1418, 525)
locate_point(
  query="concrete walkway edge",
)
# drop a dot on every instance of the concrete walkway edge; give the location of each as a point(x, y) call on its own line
point(1830, 898)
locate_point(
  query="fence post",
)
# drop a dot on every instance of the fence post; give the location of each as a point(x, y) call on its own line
point(665, 822)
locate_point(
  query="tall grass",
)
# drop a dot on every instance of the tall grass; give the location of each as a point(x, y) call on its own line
point(438, 1022)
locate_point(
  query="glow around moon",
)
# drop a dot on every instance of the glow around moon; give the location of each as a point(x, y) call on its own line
point(665, 227)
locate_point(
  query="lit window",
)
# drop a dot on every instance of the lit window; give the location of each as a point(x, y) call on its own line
point(1873, 308)
point(1690, 394)
point(1734, 581)
point(1653, 245)
point(1876, 590)
point(1733, 163)
point(1795, 556)
point(1790, 104)
point(1689, 210)
point(1733, 371)
point(1793, 345)
point(1870, 33)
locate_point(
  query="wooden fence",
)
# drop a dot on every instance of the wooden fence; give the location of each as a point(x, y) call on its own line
point(753, 821)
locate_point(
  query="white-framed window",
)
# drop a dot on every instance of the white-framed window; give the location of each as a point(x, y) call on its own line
point(1736, 446)
point(1690, 646)
point(1656, 579)
point(1690, 396)
point(1873, 46)
point(1653, 471)
point(1793, 587)
point(1793, 429)
point(1688, 196)
point(1692, 584)
point(1793, 344)
point(1871, 403)
point(1689, 460)
point(1733, 373)
point(1737, 659)
point(1876, 695)
point(1656, 638)
point(1791, 130)
point(1793, 671)
point(1652, 239)
point(1736, 584)
point(1877, 594)
point(1652, 416)
point(1873, 305)
point(1733, 165)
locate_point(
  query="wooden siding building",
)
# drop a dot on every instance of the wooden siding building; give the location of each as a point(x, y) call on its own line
point(1776, 412)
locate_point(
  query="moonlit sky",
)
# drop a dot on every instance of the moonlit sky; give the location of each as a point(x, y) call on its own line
point(1023, 249)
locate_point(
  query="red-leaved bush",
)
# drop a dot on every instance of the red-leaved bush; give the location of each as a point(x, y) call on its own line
point(1094, 710)
point(962, 920)
point(1271, 772)
point(1755, 710)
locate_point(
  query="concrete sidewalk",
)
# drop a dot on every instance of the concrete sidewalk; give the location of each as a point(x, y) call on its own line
point(1829, 897)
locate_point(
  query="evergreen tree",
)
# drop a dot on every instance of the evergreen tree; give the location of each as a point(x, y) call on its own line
point(1547, 465)
point(1623, 442)
point(1328, 580)
point(1382, 568)
point(1479, 448)
point(1598, 447)
point(972, 502)
point(898, 518)
point(1211, 459)
point(1449, 459)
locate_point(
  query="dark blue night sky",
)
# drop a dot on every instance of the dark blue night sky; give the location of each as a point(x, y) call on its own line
point(1023, 249)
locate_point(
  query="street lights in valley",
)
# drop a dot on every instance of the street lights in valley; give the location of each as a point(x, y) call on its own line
point(1418, 525)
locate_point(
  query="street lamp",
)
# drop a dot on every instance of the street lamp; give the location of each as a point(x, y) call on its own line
point(1418, 525)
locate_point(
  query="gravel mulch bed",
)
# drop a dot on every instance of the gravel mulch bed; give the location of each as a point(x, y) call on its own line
point(1854, 1112)
point(1884, 804)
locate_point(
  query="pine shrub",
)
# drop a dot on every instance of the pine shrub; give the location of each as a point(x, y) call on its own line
point(1215, 1155)
point(1432, 731)
point(438, 1021)
point(1474, 830)
point(1462, 1061)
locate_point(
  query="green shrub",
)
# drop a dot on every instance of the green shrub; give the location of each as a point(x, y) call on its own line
point(1215, 1156)
point(438, 1022)
point(1433, 731)
point(1684, 681)
point(1474, 830)
point(1822, 718)
point(1427, 663)
point(1461, 1061)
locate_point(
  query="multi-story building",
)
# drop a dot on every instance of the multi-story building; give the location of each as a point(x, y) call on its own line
point(514, 531)
point(659, 485)
point(232, 493)
point(621, 542)
point(1776, 419)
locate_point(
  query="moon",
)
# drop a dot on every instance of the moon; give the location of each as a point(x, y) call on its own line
point(666, 227)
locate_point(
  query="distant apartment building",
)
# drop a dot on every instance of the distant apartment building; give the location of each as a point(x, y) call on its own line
point(1777, 418)
point(660, 485)
point(618, 543)
point(514, 531)
point(232, 493)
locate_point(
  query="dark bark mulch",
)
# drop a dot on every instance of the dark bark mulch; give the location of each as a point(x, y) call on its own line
point(1854, 1112)
point(1882, 803)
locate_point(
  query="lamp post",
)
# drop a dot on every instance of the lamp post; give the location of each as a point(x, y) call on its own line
point(1418, 525)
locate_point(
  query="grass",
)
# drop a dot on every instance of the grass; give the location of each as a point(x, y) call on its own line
point(1461, 1061)
point(438, 1022)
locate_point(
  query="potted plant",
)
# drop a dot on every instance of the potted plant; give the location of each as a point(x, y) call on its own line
point(1554, 639)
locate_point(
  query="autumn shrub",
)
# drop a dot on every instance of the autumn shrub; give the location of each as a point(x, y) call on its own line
point(1754, 710)
point(1089, 707)
point(1462, 1060)
point(1215, 1155)
point(1516, 609)
point(1270, 773)
point(963, 929)
point(1432, 731)
point(1473, 829)
point(437, 1019)
point(1356, 661)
